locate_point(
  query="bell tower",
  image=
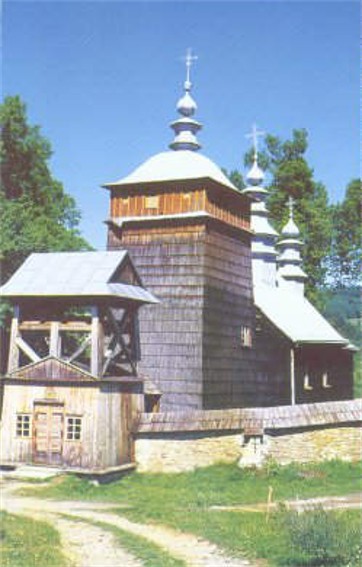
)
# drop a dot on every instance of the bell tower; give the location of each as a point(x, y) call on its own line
point(187, 229)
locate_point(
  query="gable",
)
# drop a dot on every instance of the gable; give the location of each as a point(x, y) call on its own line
point(52, 369)
point(126, 274)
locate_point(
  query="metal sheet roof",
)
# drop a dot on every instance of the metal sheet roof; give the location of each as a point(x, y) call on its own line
point(180, 165)
point(77, 274)
point(296, 317)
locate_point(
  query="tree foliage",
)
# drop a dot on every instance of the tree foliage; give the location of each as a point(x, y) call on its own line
point(36, 214)
point(292, 176)
point(346, 258)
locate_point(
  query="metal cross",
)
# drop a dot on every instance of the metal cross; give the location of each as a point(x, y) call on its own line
point(189, 59)
point(254, 136)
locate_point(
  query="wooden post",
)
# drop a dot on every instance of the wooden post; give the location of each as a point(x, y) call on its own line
point(269, 502)
point(96, 344)
point(54, 345)
point(13, 363)
point(292, 376)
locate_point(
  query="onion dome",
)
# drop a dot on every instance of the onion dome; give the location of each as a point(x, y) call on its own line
point(255, 175)
point(186, 127)
point(263, 243)
point(289, 260)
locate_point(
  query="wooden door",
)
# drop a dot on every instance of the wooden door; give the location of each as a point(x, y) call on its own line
point(48, 433)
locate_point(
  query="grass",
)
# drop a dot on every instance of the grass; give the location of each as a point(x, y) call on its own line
point(150, 554)
point(223, 485)
point(27, 542)
point(183, 501)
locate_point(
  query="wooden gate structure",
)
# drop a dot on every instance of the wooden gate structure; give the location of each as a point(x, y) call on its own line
point(73, 391)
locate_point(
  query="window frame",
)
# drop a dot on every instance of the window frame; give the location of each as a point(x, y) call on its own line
point(73, 428)
point(246, 337)
point(23, 426)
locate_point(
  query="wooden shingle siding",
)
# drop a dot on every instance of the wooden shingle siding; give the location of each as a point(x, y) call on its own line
point(171, 334)
point(200, 270)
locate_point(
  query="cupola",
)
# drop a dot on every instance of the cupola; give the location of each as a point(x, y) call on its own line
point(290, 272)
point(264, 237)
point(186, 127)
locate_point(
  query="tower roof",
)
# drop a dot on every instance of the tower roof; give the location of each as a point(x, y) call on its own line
point(175, 166)
point(183, 163)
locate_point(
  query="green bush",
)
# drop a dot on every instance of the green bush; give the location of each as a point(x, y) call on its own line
point(321, 537)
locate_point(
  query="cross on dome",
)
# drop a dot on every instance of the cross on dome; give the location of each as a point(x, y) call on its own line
point(189, 59)
point(254, 134)
point(255, 175)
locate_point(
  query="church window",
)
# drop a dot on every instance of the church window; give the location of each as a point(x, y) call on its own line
point(74, 428)
point(325, 380)
point(23, 422)
point(246, 337)
point(306, 383)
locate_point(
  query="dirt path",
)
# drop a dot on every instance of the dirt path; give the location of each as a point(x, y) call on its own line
point(91, 546)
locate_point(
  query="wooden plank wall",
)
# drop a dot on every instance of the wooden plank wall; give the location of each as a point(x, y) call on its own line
point(337, 362)
point(155, 202)
point(228, 208)
point(272, 373)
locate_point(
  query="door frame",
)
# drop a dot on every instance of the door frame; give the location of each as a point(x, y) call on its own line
point(49, 404)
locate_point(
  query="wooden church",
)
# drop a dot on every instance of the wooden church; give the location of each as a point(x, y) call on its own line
point(232, 328)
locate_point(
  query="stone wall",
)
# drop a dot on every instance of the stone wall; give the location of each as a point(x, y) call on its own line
point(183, 452)
point(181, 441)
point(339, 442)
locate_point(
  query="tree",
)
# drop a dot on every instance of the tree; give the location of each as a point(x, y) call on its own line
point(346, 257)
point(292, 176)
point(236, 178)
point(36, 214)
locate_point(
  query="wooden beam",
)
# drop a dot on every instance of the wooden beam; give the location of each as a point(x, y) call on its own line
point(97, 342)
point(118, 328)
point(80, 349)
point(54, 345)
point(13, 362)
point(292, 376)
point(27, 349)
point(76, 326)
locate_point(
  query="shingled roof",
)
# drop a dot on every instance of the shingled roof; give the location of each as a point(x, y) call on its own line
point(74, 274)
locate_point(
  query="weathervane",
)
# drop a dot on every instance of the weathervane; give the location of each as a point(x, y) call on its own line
point(189, 59)
point(254, 136)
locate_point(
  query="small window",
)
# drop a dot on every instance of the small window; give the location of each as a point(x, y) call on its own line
point(325, 380)
point(246, 337)
point(23, 422)
point(306, 383)
point(151, 202)
point(74, 428)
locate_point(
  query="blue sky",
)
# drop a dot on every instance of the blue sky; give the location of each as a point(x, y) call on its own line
point(103, 78)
